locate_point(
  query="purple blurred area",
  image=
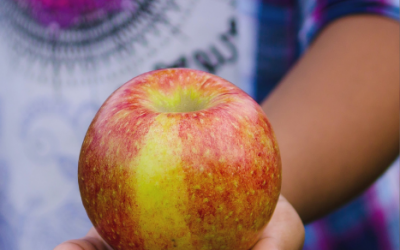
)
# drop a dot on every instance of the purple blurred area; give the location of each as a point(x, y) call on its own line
point(71, 13)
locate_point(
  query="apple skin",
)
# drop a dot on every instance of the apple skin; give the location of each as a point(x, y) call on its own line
point(179, 159)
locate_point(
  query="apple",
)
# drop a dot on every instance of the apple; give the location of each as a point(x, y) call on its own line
point(179, 159)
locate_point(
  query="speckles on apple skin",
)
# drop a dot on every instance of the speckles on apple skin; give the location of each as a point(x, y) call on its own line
point(103, 166)
point(228, 169)
point(237, 163)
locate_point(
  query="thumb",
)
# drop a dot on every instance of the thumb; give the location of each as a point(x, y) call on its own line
point(285, 231)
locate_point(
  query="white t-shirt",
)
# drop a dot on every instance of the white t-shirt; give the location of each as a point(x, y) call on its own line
point(56, 71)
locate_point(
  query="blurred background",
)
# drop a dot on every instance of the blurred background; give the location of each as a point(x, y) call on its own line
point(60, 60)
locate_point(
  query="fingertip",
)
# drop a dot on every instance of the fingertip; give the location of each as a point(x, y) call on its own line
point(92, 241)
point(69, 246)
point(266, 243)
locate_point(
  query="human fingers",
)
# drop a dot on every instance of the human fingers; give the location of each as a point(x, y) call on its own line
point(92, 241)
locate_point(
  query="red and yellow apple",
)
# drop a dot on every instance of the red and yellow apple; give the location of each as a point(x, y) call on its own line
point(179, 159)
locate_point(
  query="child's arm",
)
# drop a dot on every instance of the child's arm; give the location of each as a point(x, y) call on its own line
point(336, 114)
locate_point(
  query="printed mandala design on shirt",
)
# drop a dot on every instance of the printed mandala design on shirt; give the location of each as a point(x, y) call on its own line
point(66, 38)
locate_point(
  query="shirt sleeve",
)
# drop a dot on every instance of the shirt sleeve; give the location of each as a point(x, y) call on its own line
point(316, 14)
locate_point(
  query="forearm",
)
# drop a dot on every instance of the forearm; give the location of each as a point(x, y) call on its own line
point(336, 114)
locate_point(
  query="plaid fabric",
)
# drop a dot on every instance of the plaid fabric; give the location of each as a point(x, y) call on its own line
point(369, 222)
point(285, 28)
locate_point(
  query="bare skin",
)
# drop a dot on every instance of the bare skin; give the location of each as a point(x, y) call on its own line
point(335, 115)
point(284, 225)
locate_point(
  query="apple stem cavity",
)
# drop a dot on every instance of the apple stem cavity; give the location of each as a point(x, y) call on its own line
point(182, 100)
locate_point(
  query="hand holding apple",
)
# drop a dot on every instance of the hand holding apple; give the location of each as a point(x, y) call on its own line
point(285, 231)
point(179, 159)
